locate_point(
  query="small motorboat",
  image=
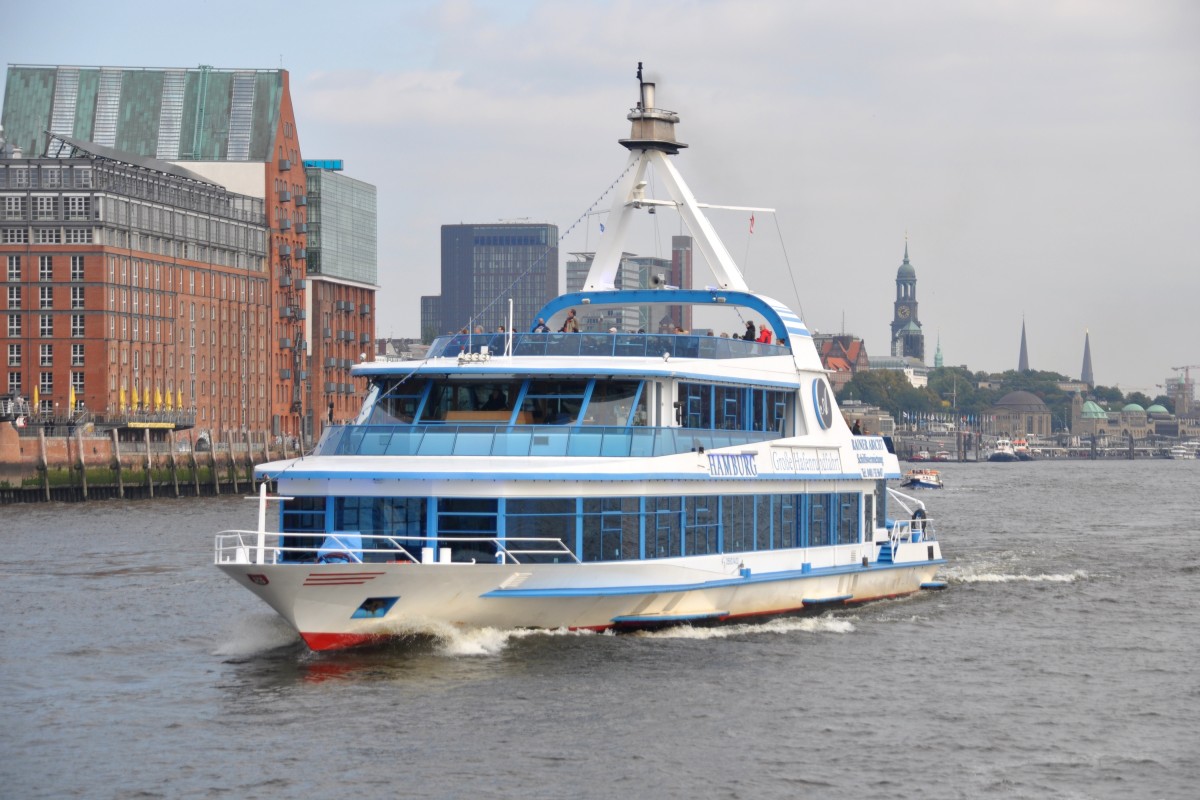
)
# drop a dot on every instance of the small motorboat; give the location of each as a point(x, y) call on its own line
point(1004, 451)
point(922, 479)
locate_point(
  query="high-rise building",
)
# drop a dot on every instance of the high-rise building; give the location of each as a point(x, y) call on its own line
point(343, 273)
point(234, 129)
point(485, 266)
point(908, 341)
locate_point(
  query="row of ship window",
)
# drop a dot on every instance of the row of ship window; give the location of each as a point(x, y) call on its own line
point(593, 529)
point(569, 401)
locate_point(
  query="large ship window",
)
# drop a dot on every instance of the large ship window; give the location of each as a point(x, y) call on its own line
point(702, 519)
point(817, 531)
point(469, 518)
point(554, 402)
point(695, 406)
point(384, 522)
point(616, 403)
point(398, 403)
point(770, 410)
point(847, 524)
point(734, 408)
point(611, 528)
point(663, 526)
point(551, 518)
point(301, 515)
point(471, 401)
point(738, 523)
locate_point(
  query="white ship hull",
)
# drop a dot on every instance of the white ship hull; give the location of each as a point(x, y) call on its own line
point(320, 599)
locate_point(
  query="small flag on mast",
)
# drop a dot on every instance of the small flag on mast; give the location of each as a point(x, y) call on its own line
point(752, 223)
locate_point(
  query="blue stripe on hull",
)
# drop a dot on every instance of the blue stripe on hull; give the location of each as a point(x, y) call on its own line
point(769, 577)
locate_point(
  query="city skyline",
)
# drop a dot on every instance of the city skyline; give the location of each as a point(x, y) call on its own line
point(1039, 158)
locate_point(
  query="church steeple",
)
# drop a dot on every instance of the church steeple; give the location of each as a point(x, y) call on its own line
point(907, 338)
point(1086, 374)
point(937, 356)
point(1023, 361)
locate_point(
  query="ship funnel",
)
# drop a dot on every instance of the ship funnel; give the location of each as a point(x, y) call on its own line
point(647, 95)
point(653, 128)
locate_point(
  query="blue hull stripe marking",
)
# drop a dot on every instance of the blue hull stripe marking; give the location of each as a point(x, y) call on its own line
point(841, 598)
point(769, 577)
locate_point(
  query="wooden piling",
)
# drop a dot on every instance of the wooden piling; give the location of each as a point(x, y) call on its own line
point(82, 465)
point(117, 459)
point(149, 463)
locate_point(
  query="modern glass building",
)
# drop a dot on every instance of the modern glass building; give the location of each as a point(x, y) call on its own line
point(343, 275)
point(483, 267)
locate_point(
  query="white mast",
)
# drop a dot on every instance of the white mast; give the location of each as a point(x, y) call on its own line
point(651, 140)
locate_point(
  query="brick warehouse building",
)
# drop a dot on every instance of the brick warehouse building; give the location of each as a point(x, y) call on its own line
point(124, 284)
point(164, 138)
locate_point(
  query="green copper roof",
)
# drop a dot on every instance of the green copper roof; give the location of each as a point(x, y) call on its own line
point(200, 114)
point(906, 271)
point(1133, 407)
point(1157, 409)
point(1092, 411)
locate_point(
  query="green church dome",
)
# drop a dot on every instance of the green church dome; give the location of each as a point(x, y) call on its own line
point(906, 271)
point(1132, 408)
point(1157, 409)
point(1092, 411)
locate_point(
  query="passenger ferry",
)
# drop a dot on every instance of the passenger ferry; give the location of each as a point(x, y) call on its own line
point(589, 480)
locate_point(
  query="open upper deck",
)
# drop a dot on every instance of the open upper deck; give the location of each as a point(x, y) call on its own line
point(618, 345)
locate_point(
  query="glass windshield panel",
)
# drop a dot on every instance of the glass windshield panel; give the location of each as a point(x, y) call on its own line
point(554, 402)
point(611, 403)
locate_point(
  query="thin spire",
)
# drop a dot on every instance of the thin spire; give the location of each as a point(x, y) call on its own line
point(1085, 374)
point(1023, 361)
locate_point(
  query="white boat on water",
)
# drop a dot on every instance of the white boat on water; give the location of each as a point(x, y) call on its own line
point(1183, 450)
point(1003, 451)
point(922, 479)
point(589, 480)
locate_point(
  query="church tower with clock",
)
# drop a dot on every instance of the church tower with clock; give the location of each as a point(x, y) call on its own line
point(907, 338)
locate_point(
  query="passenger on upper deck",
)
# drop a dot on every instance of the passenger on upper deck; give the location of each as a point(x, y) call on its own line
point(571, 325)
point(541, 326)
point(751, 334)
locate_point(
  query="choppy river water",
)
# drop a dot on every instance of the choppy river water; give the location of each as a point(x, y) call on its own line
point(1061, 662)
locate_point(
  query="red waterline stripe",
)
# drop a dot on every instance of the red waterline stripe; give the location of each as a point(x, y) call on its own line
point(337, 641)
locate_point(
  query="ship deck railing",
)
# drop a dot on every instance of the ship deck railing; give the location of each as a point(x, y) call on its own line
point(910, 530)
point(523, 441)
point(265, 547)
point(618, 345)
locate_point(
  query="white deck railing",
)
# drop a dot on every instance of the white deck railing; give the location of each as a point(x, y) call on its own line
point(255, 547)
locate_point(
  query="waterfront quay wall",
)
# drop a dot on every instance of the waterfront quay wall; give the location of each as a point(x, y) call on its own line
point(70, 465)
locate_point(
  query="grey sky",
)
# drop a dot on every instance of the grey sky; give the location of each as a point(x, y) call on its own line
point(1042, 157)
